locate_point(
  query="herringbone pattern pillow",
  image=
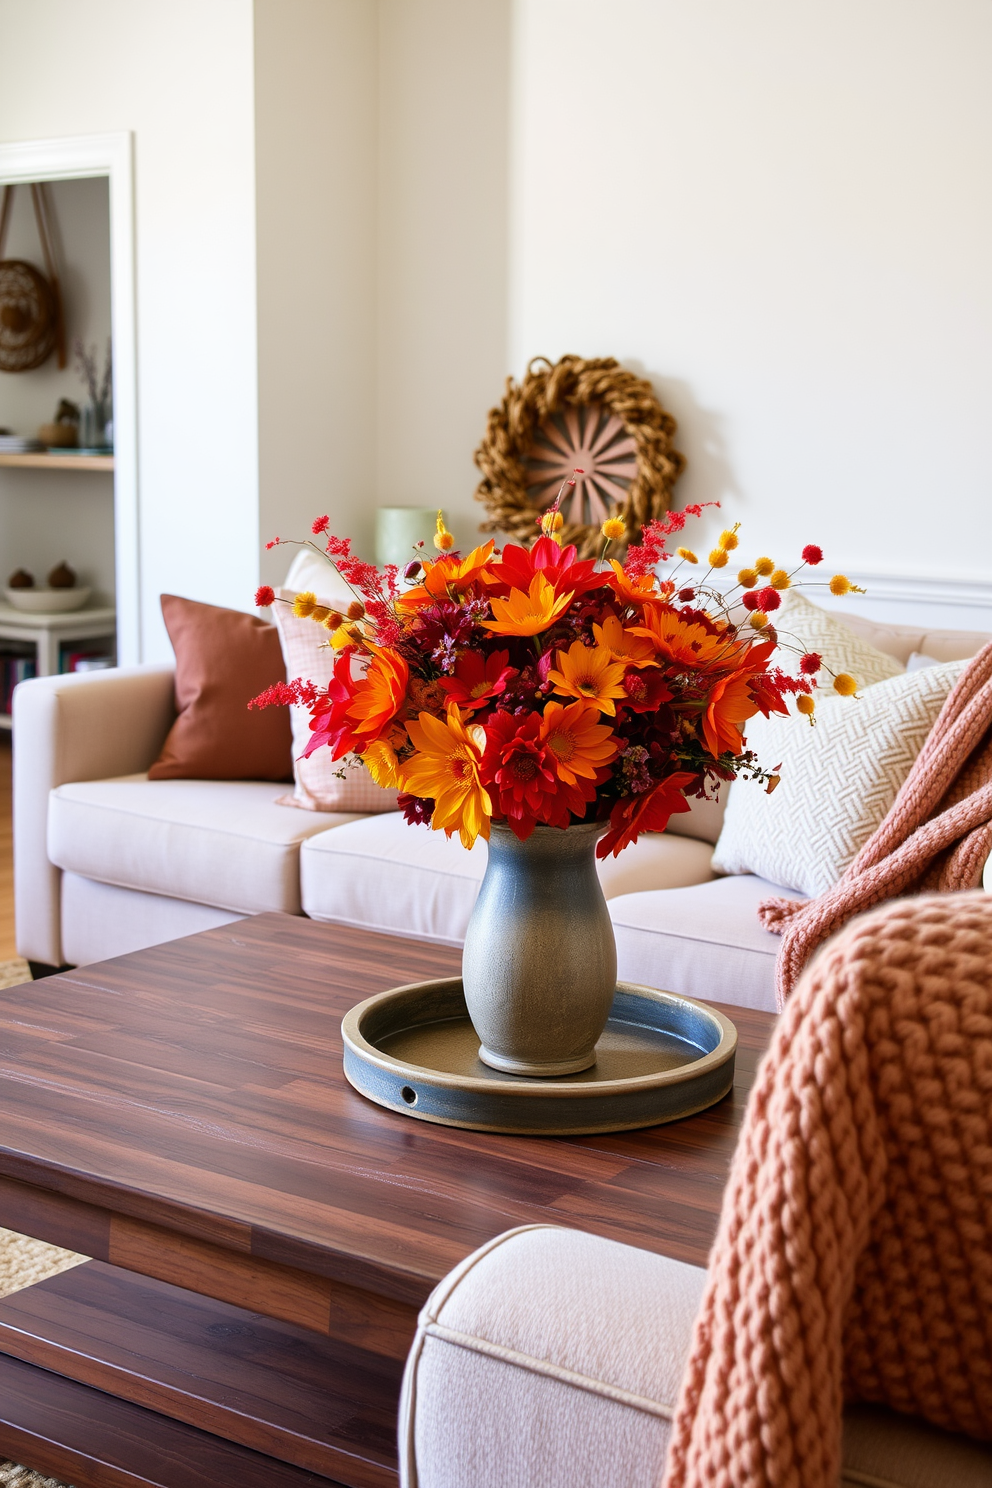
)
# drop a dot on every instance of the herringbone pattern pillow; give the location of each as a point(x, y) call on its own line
point(808, 628)
point(838, 780)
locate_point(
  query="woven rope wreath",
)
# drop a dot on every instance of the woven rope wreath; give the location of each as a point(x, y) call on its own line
point(592, 415)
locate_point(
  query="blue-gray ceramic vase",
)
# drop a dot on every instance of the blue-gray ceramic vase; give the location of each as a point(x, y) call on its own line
point(539, 966)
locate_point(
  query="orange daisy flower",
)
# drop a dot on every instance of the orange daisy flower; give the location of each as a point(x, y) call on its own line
point(728, 708)
point(527, 614)
point(448, 578)
point(379, 696)
point(631, 591)
point(687, 643)
point(445, 769)
point(589, 672)
point(624, 645)
point(581, 745)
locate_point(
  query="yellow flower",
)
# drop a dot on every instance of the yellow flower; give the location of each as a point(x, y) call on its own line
point(590, 673)
point(806, 705)
point(729, 540)
point(764, 566)
point(382, 764)
point(304, 604)
point(332, 620)
point(779, 579)
point(718, 558)
point(527, 614)
point(840, 585)
point(687, 554)
point(443, 539)
point(445, 768)
point(845, 684)
point(747, 578)
point(551, 524)
point(758, 620)
point(613, 529)
point(622, 644)
point(580, 744)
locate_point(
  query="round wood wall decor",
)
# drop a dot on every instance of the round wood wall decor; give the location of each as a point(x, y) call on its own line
point(28, 316)
point(591, 415)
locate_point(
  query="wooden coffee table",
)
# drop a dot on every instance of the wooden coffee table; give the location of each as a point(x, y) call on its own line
point(263, 1236)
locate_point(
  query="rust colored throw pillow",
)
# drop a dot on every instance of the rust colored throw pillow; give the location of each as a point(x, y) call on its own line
point(223, 659)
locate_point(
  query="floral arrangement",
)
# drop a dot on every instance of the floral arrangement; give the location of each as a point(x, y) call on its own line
point(526, 686)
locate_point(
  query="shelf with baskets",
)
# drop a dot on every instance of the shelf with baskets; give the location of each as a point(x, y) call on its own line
point(44, 645)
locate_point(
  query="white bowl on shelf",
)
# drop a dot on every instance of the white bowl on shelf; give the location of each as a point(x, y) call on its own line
point(47, 601)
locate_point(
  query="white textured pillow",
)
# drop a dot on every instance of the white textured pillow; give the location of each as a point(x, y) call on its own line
point(805, 625)
point(322, 784)
point(838, 780)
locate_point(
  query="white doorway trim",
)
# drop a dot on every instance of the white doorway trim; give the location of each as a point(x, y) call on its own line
point(110, 155)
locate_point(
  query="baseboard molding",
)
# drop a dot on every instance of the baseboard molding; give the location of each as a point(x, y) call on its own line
point(974, 594)
point(904, 599)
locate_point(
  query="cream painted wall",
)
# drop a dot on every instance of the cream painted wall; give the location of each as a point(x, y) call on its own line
point(780, 211)
point(316, 92)
point(181, 77)
point(442, 263)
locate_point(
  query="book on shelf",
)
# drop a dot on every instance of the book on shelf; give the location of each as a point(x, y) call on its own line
point(83, 661)
point(15, 666)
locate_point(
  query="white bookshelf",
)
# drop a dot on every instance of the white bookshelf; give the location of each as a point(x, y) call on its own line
point(48, 632)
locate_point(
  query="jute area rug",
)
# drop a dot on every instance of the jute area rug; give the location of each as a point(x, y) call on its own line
point(22, 1263)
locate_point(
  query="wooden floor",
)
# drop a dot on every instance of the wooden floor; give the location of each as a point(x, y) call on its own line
point(8, 949)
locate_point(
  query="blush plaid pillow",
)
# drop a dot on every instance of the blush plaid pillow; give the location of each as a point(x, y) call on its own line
point(322, 784)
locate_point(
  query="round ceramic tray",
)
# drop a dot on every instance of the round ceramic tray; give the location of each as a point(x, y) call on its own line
point(661, 1057)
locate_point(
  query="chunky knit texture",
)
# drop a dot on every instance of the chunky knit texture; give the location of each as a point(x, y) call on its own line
point(854, 1254)
point(936, 836)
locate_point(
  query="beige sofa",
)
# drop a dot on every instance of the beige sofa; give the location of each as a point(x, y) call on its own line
point(107, 861)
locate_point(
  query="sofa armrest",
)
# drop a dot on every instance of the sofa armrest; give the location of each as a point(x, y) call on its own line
point(549, 1357)
point(86, 726)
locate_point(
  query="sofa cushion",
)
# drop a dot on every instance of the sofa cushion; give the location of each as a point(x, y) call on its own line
point(884, 1450)
point(383, 874)
point(224, 843)
point(100, 921)
point(703, 941)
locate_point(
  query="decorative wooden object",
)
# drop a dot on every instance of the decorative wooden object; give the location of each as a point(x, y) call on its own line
point(31, 320)
point(182, 1113)
point(593, 416)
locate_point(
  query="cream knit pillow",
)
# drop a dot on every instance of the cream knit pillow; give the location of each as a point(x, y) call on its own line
point(322, 784)
point(838, 780)
point(802, 624)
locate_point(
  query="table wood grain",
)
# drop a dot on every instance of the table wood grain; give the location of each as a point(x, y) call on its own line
point(182, 1113)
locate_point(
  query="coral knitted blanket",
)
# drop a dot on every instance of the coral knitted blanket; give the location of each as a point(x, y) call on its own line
point(854, 1255)
point(936, 837)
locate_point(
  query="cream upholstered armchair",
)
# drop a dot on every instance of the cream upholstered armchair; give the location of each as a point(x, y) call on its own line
point(552, 1359)
point(857, 1215)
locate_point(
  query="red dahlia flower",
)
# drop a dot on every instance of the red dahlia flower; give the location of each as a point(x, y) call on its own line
point(478, 679)
point(329, 721)
point(646, 691)
point(519, 770)
point(557, 564)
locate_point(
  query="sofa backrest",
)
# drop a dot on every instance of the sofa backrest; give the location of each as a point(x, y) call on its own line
point(901, 641)
point(704, 819)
